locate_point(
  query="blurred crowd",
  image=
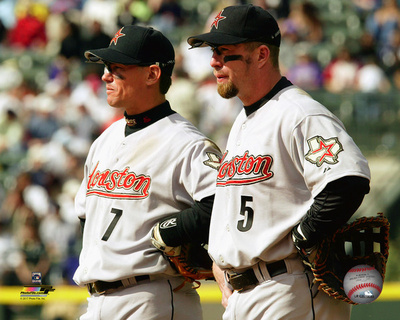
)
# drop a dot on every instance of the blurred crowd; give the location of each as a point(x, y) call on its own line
point(53, 104)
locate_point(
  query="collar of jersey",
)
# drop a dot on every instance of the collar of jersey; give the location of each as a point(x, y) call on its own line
point(142, 120)
point(281, 84)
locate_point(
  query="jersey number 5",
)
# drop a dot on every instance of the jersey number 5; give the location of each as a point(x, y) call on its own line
point(118, 214)
point(248, 213)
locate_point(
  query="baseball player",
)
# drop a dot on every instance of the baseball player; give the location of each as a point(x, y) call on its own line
point(290, 175)
point(153, 168)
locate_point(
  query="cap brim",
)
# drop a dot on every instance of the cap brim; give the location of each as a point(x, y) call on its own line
point(109, 55)
point(214, 39)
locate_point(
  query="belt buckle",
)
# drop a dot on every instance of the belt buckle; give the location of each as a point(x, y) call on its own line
point(238, 281)
point(92, 288)
point(233, 275)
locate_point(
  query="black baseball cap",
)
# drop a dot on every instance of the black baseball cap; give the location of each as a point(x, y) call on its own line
point(238, 24)
point(136, 45)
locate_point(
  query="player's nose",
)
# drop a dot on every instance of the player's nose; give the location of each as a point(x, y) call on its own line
point(216, 60)
point(107, 76)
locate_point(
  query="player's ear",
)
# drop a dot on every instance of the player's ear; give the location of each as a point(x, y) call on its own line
point(263, 54)
point(154, 74)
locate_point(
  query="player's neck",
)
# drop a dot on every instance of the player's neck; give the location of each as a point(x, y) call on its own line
point(145, 104)
point(259, 88)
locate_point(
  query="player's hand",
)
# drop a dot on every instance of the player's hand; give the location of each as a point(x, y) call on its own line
point(158, 242)
point(305, 250)
point(226, 290)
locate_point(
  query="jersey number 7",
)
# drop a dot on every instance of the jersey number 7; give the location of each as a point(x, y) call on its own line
point(118, 214)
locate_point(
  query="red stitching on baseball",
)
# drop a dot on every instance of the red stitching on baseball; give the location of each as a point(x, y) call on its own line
point(362, 286)
point(362, 269)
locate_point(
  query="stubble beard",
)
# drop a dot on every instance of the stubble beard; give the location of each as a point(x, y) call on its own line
point(227, 90)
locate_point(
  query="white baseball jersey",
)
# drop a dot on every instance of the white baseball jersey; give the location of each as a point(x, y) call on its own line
point(132, 182)
point(276, 161)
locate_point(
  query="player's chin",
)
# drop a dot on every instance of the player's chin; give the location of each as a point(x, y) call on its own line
point(227, 90)
point(112, 102)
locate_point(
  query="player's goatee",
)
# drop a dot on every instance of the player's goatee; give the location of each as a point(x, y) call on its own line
point(227, 90)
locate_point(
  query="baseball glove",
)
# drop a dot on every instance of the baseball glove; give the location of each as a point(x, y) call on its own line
point(364, 241)
point(190, 260)
point(193, 263)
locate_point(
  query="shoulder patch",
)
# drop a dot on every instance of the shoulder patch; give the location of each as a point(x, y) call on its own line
point(214, 158)
point(213, 161)
point(323, 150)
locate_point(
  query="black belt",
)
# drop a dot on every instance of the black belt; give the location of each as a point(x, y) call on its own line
point(103, 287)
point(239, 281)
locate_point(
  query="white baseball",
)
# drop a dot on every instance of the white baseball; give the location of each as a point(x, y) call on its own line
point(363, 284)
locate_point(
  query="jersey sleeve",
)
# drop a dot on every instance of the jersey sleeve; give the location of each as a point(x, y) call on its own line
point(324, 152)
point(198, 171)
point(80, 200)
point(199, 167)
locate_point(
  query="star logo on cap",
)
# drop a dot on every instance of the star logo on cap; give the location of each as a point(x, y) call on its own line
point(217, 19)
point(118, 35)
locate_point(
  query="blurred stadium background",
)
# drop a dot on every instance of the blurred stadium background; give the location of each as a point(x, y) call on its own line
point(345, 53)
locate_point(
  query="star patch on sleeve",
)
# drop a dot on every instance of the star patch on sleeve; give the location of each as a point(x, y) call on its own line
point(322, 150)
point(214, 161)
